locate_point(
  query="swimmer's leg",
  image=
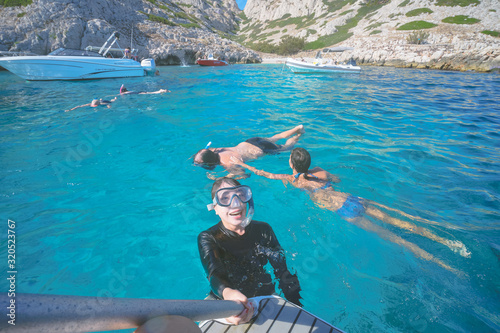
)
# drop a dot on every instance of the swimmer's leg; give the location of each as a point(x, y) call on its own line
point(455, 246)
point(286, 134)
point(367, 225)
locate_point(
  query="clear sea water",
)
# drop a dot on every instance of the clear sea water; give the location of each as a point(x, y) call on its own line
point(102, 195)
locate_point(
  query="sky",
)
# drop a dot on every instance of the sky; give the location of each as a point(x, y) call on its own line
point(241, 3)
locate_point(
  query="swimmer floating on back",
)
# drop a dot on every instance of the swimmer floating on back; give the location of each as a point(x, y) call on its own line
point(319, 184)
point(250, 149)
point(95, 103)
point(125, 91)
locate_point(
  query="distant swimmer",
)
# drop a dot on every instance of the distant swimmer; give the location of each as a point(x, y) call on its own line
point(250, 149)
point(320, 186)
point(125, 91)
point(95, 103)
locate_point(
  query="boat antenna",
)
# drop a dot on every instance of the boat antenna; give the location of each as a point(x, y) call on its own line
point(131, 39)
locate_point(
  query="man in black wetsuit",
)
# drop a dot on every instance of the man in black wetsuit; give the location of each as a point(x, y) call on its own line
point(235, 251)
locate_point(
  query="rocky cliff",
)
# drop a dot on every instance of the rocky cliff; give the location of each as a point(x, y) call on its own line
point(446, 34)
point(454, 34)
point(173, 32)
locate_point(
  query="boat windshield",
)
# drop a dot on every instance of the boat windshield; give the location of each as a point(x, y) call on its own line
point(70, 52)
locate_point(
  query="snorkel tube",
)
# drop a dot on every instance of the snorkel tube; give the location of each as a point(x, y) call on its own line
point(250, 212)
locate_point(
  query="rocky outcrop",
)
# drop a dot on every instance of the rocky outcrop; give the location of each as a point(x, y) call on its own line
point(171, 32)
point(372, 28)
point(180, 31)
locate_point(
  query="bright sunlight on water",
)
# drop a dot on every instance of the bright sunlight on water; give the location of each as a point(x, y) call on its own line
point(97, 193)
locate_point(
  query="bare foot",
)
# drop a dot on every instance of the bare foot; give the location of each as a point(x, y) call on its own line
point(458, 247)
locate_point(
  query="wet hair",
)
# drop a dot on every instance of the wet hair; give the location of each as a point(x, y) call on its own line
point(207, 159)
point(95, 102)
point(123, 89)
point(218, 184)
point(301, 160)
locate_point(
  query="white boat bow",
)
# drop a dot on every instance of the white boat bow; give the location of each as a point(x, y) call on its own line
point(67, 64)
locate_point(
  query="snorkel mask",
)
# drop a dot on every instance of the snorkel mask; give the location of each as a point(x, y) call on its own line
point(225, 197)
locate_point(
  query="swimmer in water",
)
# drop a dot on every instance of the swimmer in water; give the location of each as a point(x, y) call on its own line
point(95, 103)
point(320, 186)
point(235, 250)
point(124, 91)
point(250, 149)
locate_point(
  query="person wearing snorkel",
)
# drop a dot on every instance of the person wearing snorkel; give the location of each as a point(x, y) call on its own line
point(235, 251)
point(125, 91)
point(250, 149)
point(95, 103)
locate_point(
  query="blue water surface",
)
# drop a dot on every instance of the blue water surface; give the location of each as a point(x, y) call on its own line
point(108, 203)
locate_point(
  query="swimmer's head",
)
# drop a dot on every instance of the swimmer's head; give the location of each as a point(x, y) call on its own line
point(207, 159)
point(95, 102)
point(300, 159)
point(235, 211)
point(123, 89)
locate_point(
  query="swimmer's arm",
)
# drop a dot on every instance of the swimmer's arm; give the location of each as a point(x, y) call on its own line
point(263, 173)
point(76, 107)
point(214, 268)
point(288, 282)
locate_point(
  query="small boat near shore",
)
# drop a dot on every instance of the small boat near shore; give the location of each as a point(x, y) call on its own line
point(210, 61)
point(320, 65)
point(69, 64)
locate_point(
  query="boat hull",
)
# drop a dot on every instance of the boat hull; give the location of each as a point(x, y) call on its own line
point(39, 68)
point(209, 62)
point(301, 67)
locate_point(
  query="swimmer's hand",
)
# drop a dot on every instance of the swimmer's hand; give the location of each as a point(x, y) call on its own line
point(246, 314)
point(211, 176)
point(237, 161)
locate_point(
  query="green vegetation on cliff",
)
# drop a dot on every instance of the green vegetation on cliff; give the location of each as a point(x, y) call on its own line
point(15, 3)
point(418, 11)
point(417, 25)
point(460, 19)
point(343, 33)
point(289, 45)
point(453, 3)
point(490, 33)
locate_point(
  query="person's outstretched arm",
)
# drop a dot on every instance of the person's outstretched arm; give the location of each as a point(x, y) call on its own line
point(76, 107)
point(263, 173)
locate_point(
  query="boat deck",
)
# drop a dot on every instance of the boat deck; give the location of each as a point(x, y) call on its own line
point(275, 315)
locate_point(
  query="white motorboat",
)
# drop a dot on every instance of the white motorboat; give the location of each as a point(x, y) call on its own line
point(320, 65)
point(68, 64)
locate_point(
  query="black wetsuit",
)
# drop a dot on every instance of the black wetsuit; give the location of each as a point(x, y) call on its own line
point(237, 262)
point(266, 145)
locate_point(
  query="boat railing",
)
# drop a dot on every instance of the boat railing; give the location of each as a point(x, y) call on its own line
point(50, 313)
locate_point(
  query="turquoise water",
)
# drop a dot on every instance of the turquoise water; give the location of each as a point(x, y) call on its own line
point(107, 202)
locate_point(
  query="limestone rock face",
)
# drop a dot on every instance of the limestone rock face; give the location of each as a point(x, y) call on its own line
point(372, 27)
point(180, 31)
point(171, 32)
